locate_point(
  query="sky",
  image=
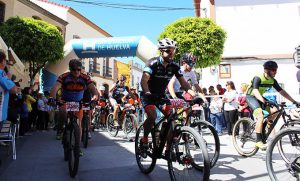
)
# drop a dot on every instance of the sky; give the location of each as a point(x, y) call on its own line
point(125, 22)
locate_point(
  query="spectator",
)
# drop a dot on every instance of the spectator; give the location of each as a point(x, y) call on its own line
point(23, 110)
point(243, 108)
point(220, 89)
point(29, 101)
point(7, 86)
point(41, 112)
point(216, 113)
point(230, 106)
point(206, 109)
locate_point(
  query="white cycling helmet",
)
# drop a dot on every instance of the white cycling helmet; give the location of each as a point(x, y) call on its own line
point(166, 43)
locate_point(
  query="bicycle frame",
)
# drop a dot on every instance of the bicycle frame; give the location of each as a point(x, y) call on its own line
point(281, 113)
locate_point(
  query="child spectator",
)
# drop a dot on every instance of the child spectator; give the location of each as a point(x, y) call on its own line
point(216, 113)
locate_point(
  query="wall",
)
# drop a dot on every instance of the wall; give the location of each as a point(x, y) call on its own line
point(243, 71)
point(259, 27)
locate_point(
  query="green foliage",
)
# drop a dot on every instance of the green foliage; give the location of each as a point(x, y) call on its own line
point(201, 36)
point(34, 41)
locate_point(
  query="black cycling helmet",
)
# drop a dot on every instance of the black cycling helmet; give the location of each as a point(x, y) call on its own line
point(75, 63)
point(166, 43)
point(122, 78)
point(270, 65)
point(189, 58)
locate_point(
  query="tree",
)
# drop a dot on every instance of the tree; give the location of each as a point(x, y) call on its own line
point(200, 36)
point(34, 41)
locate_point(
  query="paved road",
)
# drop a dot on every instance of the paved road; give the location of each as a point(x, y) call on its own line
point(40, 158)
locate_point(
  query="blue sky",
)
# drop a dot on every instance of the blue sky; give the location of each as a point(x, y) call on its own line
point(121, 22)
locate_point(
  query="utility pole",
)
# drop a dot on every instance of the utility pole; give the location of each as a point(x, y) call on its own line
point(197, 7)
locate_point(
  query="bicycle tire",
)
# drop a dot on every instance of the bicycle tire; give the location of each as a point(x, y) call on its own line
point(273, 165)
point(74, 140)
point(85, 132)
point(128, 124)
point(140, 153)
point(205, 167)
point(291, 123)
point(215, 153)
point(111, 129)
point(248, 136)
point(65, 142)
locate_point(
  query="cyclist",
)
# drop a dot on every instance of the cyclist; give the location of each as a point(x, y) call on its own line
point(102, 101)
point(73, 84)
point(156, 76)
point(257, 102)
point(188, 62)
point(119, 92)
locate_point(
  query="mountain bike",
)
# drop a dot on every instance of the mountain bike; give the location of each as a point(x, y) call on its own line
point(185, 152)
point(100, 110)
point(126, 121)
point(71, 137)
point(244, 134)
point(196, 120)
point(284, 164)
point(85, 124)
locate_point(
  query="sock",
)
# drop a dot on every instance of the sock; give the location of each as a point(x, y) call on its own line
point(258, 137)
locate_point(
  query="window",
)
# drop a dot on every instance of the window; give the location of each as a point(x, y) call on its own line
point(2, 12)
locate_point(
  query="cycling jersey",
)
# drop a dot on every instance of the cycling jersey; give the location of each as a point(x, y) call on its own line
point(160, 76)
point(72, 90)
point(262, 84)
point(187, 76)
point(119, 92)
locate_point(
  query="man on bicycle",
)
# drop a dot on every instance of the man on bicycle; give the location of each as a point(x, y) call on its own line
point(72, 86)
point(188, 62)
point(256, 101)
point(156, 76)
point(119, 92)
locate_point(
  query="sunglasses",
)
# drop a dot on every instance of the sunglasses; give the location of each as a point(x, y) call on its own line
point(168, 51)
point(273, 70)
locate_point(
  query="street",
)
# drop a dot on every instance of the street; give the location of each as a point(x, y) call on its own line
point(40, 158)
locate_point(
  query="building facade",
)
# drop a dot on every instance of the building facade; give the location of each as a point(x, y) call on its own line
point(257, 31)
point(101, 69)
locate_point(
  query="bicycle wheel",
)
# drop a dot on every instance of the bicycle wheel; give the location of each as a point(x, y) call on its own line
point(191, 156)
point(129, 125)
point(281, 144)
point(144, 157)
point(85, 130)
point(74, 149)
point(211, 138)
point(278, 168)
point(244, 137)
point(65, 142)
point(111, 129)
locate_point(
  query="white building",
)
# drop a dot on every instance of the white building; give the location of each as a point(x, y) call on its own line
point(257, 31)
point(136, 72)
point(78, 26)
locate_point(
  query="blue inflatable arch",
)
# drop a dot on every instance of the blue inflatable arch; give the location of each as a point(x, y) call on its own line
point(138, 46)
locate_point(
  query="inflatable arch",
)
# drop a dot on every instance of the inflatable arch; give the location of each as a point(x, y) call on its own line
point(138, 46)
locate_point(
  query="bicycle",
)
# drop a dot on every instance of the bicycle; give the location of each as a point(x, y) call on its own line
point(187, 149)
point(71, 137)
point(284, 166)
point(100, 110)
point(128, 121)
point(85, 124)
point(196, 120)
point(244, 142)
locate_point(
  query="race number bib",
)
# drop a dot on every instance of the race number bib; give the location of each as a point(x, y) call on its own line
point(72, 106)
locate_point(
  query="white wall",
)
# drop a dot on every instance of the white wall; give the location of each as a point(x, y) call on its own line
point(244, 71)
point(259, 27)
